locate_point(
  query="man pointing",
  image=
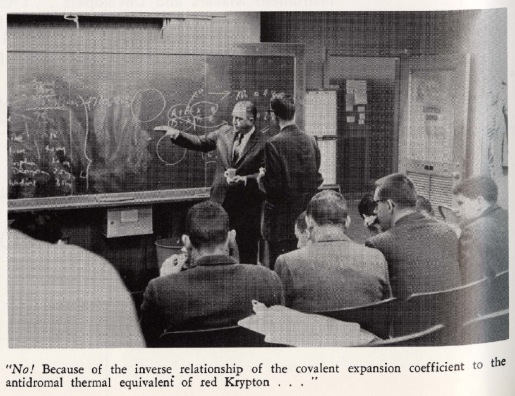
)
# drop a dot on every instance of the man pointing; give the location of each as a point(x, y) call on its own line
point(240, 154)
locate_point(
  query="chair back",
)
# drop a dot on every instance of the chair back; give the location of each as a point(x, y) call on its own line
point(487, 328)
point(428, 337)
point(498, 293)
point(374, 318)
point(451, 308)
point(222, 337)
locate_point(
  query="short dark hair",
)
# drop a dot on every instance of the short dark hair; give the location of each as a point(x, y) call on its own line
point(424, 204)
point(399, 188)
point(328, 208)
point(207, 224)
point(367, 205)
point(300, 223)
point(283, 106)
point(474, 187)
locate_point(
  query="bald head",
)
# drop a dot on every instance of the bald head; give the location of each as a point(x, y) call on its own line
point(244, 116)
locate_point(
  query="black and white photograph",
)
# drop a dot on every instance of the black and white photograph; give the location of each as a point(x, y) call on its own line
point(257, 179)
point(306, 199)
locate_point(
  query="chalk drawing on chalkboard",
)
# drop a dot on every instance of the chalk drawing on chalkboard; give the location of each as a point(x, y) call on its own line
point(172, 162)
point(148, 99)
point(85, 174)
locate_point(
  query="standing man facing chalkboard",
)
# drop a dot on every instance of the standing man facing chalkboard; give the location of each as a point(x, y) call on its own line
point(240, 154)
point(290, 179)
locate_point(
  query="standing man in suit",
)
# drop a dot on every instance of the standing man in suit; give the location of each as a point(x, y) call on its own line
point(422, 253)
point(484, 242)
point(216, 292)
point(332, 271)
point(290, 178)
point(239, 156)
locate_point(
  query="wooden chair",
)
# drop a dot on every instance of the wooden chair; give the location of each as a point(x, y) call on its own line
point(498, 293)
point(451, 308)
point(222, 337)
point(374, 318)
point(487, 328)
point(428, 337)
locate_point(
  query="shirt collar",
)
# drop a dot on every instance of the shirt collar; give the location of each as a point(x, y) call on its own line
point(332, 238)
point(487, 212)
point(249, 133)
point(288, 126)
point(410, 217)
point(217, 259)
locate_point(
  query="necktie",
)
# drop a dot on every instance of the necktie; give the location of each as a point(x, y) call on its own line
point(237, 146)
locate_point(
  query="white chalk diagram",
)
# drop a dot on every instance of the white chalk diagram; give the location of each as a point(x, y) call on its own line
point(196, 115)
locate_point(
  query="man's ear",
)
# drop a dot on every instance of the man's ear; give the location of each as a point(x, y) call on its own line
point(347, 222)
point(186, 242)
point(231, 237)
point(391, 205)
point(482, 204)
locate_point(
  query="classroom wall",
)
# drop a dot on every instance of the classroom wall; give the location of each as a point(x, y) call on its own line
point(196, 33)
point(484, 36)
point(481, 33)
point(387, 34)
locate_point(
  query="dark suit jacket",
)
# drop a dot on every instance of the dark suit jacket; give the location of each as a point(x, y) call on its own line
point(242, 202)
point(217, 292)
point(333, 274)
point(422, 255)
point(484, 245)
point(292, 163)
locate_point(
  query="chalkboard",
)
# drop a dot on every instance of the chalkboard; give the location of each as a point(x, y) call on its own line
point(81, 124)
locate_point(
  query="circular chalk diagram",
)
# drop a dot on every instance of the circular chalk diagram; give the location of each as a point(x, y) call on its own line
point(177, 153)
point(151, 103)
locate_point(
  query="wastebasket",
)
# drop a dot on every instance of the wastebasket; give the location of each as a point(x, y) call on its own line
point(166, 247)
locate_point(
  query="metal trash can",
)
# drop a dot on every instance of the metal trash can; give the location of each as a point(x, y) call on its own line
point(166, 247)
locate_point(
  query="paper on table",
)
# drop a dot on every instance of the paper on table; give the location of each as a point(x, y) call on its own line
point(283, 325)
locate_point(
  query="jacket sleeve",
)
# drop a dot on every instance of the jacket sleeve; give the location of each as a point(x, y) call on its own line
point(320, 178)
point(274, 181)
point(152, 325)
point(473, 263)
point(202, 143)
point(282, 269)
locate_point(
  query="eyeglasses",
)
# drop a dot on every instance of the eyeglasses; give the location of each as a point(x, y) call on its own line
point(380, 200)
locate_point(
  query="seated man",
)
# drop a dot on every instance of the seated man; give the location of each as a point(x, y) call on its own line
point(422, 253)
point(366, 209)
point(62, 296)
point(483, 242)
point(216, 291)
point(331, 272)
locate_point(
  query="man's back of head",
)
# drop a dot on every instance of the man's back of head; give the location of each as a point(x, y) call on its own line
point(207, 225)
point(283, 106)
point(328, 208)
point(399, 188)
